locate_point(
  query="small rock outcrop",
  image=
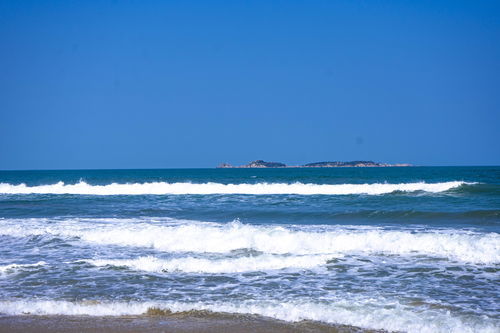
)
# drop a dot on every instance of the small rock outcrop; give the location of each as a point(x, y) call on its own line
point(264, 164)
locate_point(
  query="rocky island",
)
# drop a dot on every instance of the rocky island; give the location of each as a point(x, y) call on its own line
point(335, 164)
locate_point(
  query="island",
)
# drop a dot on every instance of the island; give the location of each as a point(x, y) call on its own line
point(335, 164)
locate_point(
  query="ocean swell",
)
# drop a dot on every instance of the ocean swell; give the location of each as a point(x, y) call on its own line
point(162, 188)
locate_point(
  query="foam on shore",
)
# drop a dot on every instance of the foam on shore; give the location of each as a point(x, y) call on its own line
point(391, 316)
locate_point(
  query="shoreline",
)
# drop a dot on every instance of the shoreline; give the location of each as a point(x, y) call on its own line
point(185, 322)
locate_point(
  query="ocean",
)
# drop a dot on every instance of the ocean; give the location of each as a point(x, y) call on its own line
point(407, 249)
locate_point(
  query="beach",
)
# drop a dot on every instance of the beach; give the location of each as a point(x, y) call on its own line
point(178, 323)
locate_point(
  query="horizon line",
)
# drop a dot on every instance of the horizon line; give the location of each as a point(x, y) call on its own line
point(236, 168)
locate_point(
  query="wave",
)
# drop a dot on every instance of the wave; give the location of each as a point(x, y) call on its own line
point(162, 188)
point(480, 188)
point(206, 237)
point(365, 313)
point(200, 265)
point(13, 268)
point(398, 215)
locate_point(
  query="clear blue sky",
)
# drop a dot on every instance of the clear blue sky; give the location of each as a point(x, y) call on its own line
point(153, 84)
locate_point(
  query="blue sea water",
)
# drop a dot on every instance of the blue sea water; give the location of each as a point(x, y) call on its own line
point(413, 249)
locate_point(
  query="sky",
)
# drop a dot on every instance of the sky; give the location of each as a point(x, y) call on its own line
point(175, 84)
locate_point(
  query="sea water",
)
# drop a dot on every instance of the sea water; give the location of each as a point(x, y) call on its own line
point(413, 249)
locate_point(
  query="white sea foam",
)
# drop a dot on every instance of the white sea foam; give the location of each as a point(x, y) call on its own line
point(159, 188)
point(13, 268)
point(483, 248)
point(233, 265)
point(198, 237)
point(367, 313)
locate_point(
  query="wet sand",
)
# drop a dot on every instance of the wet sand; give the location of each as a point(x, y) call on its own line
point(178, 323)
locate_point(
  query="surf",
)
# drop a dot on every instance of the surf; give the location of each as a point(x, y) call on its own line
point(186, 188)
point(366, 313)
point(209, 237)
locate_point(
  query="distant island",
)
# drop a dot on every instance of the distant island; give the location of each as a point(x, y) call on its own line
point(336, 164)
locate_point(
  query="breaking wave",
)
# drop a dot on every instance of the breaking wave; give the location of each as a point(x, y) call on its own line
point(162, 188)
point(200, 265)
point(13, 268)
point(366, 313)
point(206, 237)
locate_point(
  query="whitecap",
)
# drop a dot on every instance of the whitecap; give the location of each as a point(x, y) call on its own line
point(163, 188)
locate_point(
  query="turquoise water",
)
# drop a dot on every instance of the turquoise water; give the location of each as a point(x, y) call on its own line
point(406, 249)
